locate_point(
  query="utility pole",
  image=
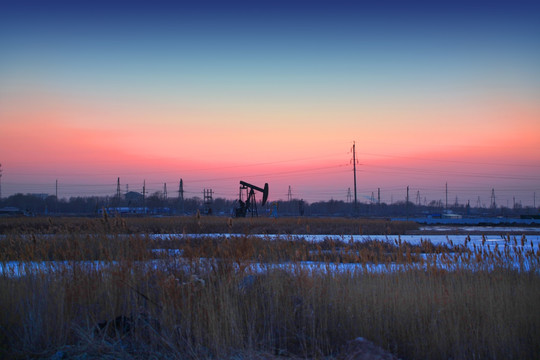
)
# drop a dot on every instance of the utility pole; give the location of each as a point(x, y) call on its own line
point(181, 194)
point(354, 171)
point(493, 203)
point(446, 207)
point(144, 195)
point(407, 203)
point(0, 181)
point(56, 197)
point(378, 196)
point(118, 192)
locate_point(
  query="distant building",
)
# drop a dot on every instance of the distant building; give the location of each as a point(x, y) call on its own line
point(448, 214)
point(124, 210)
point(133, 197)
point(12, 211)
point(41, 196)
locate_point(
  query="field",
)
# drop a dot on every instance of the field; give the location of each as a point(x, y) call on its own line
point(223, 288)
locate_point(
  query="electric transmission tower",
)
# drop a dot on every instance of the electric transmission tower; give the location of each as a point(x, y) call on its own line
point(207, 196)
point(289, 194)
point(0, 181)
point(164, 191)
point(349, 195)
point(493, 203)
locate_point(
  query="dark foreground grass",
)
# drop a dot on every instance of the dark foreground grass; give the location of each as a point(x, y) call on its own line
point(215, 312)
point(211, 301)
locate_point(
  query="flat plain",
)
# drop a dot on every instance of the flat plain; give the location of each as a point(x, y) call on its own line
point(215, 287)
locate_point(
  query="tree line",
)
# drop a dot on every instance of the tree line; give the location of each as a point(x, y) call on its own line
point(157, 204)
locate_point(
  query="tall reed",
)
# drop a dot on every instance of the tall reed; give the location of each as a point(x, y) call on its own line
point(107, 294)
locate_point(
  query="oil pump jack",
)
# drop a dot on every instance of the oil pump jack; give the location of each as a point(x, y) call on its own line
point(250, 204)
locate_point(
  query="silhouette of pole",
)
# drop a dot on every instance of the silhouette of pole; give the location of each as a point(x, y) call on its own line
point(407, 204)
point(354, 171)
point(144, 195)
point(446, 206)
point(118, 195)
point(181, 194)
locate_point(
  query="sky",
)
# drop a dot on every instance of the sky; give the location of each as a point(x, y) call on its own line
point(277, 92)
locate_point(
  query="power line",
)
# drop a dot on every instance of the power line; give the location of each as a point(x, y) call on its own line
point(154, 172)
point(417, 171)
point(451, 161)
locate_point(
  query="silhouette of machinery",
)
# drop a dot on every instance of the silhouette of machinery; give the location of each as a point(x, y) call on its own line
point(250, 205)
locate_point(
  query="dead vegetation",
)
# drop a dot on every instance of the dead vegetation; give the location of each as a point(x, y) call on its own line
point(109, 294)
point(205, 224)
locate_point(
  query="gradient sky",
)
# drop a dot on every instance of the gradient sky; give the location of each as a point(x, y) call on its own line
point(272, 91)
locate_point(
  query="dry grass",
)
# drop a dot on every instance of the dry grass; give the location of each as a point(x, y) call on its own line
point(206, 224)
point(213, 302)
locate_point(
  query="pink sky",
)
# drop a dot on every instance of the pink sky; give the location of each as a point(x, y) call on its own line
point(475, 147)
point(271, 92)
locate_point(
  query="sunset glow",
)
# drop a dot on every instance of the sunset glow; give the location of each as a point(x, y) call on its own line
point(271, 93)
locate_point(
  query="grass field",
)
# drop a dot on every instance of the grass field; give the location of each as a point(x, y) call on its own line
point(204, 224)
point(101, 290)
